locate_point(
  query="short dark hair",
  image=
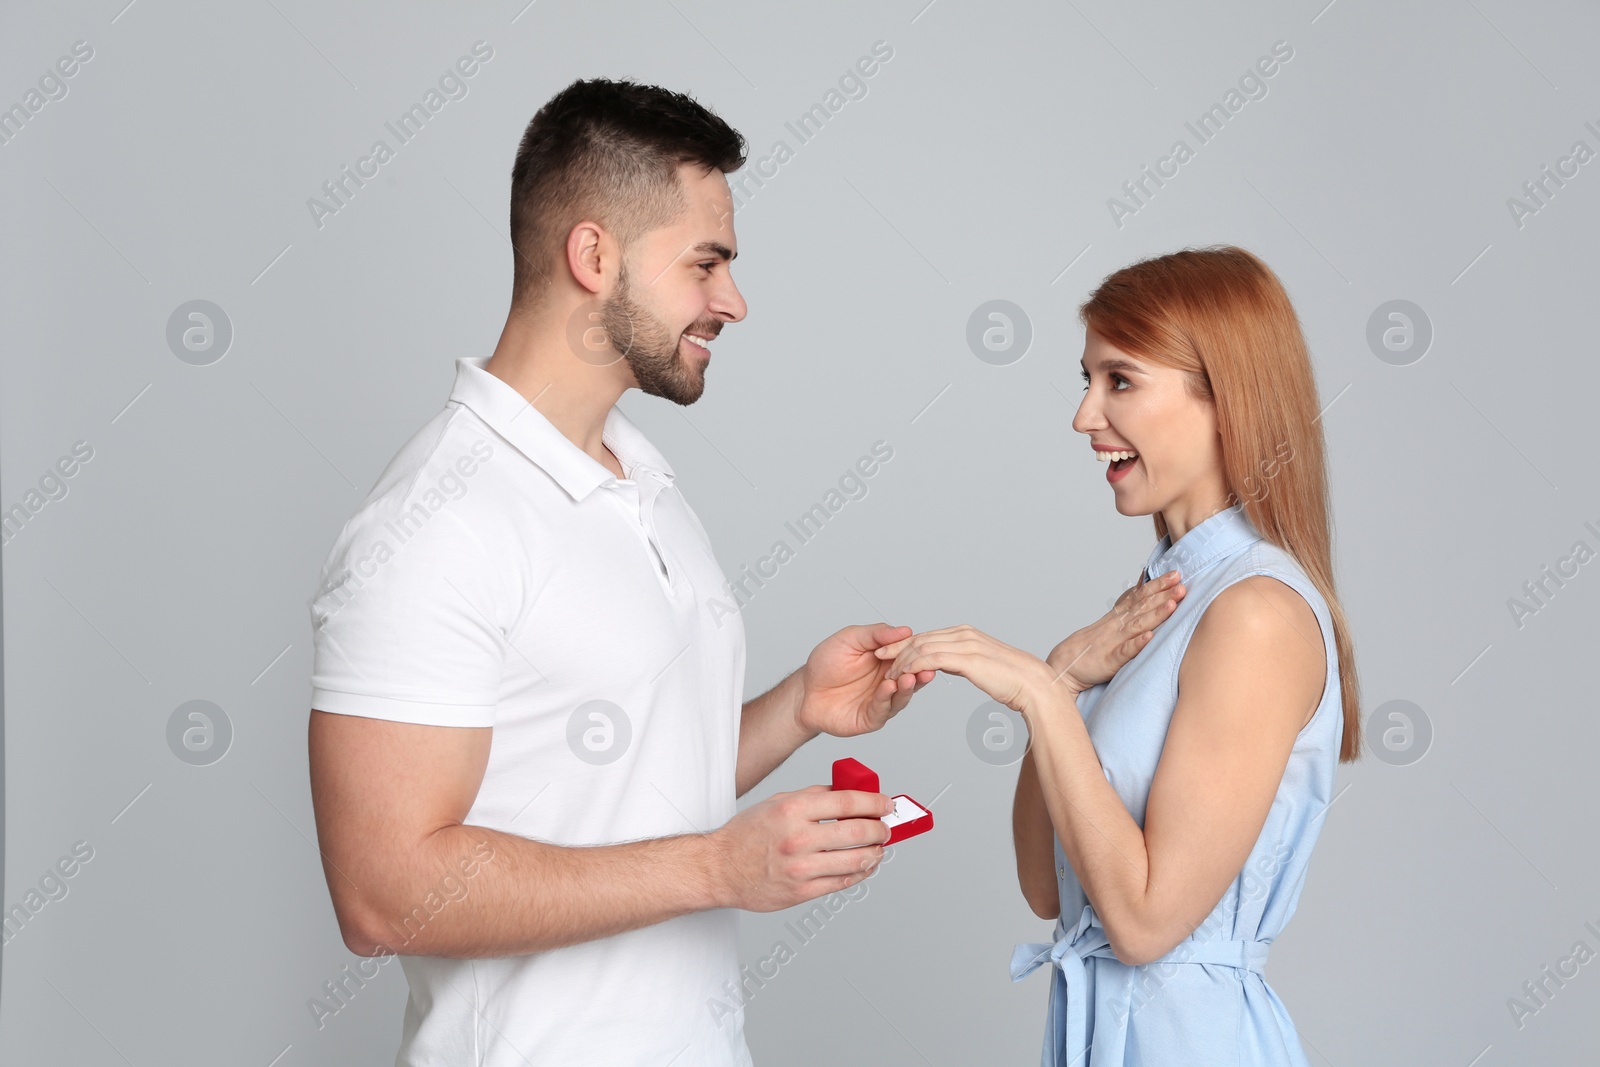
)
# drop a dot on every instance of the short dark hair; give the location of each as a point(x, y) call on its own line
point(606, 150)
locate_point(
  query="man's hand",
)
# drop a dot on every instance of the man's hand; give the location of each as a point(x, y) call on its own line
point(846, 689)
point(774, 854)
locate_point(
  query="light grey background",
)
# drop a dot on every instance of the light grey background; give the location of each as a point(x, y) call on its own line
point(978, 166)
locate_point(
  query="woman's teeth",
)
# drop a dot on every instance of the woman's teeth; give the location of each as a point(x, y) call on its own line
point(1109, 457)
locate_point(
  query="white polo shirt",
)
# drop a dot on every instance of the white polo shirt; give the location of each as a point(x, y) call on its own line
point(499, 576)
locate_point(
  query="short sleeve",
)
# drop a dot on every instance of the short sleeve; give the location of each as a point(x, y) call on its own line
point(404, 622)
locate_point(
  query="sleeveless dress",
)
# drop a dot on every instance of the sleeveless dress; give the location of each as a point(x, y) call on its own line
point(1206, 1002)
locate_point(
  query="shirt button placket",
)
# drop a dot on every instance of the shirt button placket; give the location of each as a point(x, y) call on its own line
point(648, 514)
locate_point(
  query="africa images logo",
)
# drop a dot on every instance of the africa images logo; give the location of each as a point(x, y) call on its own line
point(342, 188)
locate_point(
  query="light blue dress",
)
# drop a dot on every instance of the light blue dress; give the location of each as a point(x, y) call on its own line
point(1207, 1001)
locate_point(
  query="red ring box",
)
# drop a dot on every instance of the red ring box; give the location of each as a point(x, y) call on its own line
point(908, 818)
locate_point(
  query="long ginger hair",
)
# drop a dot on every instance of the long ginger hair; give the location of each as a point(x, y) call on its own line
point(1222, 316)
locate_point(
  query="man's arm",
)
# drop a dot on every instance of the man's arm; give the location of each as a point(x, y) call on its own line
point(769, 732)
point(390, 798)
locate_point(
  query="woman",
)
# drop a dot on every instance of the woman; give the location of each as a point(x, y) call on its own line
point(1166, 809)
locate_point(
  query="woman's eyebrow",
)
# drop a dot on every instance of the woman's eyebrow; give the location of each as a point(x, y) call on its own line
point(1112, 363)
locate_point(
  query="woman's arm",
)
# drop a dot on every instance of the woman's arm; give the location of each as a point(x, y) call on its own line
point(1088, 657)
point(1034, 839)
point(1253, 667)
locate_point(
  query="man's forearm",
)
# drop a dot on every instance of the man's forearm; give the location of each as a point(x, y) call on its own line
point(469, 892)
point(769, 732)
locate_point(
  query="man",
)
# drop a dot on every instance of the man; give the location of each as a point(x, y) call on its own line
point(527, 735)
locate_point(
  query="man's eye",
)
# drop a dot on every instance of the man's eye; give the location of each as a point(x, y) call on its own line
point(708, 266)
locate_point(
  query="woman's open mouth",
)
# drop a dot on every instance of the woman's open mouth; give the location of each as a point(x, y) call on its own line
point(1118, 469)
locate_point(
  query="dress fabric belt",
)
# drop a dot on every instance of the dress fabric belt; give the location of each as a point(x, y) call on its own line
point(1066, 1032)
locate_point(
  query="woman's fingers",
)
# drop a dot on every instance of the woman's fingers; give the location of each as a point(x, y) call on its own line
point(914, 658)
point(898, 649)
point(922, 653)
point(1159, 602)
point(1137, 598)
point(1159, 587)
point(891, 649)
point(1155, 614)
point(1127, 649)
point(894, 648)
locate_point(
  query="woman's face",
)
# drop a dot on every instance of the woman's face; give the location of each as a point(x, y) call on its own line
point(1143, 407)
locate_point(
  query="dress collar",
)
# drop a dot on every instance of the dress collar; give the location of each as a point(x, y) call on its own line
point(1219, 536)
point(510, 415)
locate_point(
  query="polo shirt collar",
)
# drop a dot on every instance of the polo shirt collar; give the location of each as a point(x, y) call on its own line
point(510, 415)
point(1215, 538)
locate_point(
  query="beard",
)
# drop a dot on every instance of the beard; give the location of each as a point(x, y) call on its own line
point(650, 348)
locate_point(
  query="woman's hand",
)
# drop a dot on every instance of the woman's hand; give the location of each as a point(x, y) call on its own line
point(1015, 678)
point(1098, 651)
point(1019, 679)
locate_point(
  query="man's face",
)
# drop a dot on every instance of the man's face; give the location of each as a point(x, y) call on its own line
point(664, 312)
